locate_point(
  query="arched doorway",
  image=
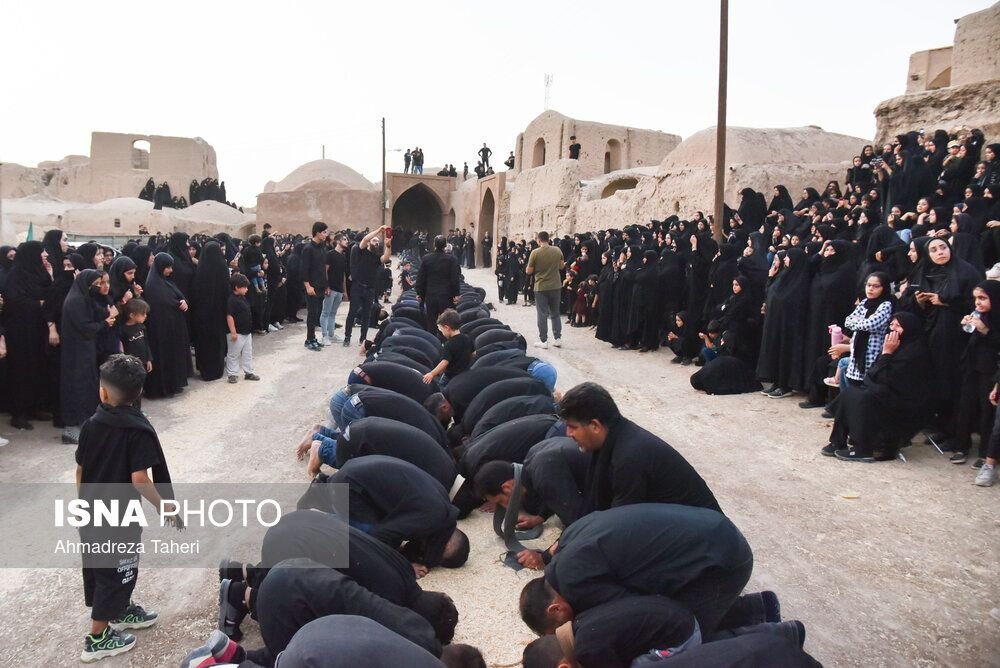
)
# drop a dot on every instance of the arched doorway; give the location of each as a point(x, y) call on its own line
point(140, 154)
point(418, 209)
point(487, 217)
point(538, 156)
point(612, 156)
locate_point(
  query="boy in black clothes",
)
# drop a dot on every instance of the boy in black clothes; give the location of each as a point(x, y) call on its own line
point(117, 445)
point(133, 335)
point(240, 324)
point(456, 353)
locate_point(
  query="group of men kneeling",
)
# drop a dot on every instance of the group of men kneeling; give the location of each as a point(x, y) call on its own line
point(648, 568)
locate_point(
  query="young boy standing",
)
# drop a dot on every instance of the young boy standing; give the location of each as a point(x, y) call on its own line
point(118, 446)
point(456, 355)
point(240, 323)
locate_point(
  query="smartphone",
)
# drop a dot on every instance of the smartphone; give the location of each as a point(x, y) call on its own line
point(388, 233)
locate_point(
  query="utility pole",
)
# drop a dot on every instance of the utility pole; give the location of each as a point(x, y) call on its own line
point(383, 170)
point(548, 89)
point(323, 151)
point(720, 129)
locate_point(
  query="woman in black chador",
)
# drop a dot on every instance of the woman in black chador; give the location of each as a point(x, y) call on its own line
point(26, 332)
point(166, 329)
point(782, 348)
point(211, 292)
point(85, 316)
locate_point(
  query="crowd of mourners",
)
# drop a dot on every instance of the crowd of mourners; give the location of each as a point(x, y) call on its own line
point(207, 190)
point(872, 300)
point(449, 413)
point(446, 413)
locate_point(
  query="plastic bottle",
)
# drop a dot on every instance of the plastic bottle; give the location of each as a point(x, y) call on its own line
point(968, 327)
point(836, 335)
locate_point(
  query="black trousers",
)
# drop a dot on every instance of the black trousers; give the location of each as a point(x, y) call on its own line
point(362, 297)
point(314, 307)
point(434, 307)
point(715, 601)
point(973, 411)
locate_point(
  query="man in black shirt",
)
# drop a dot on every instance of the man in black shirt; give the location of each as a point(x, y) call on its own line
point(336, 272)
point(693, 556)
point(484, 155)
point(574, 149)
point(628, 464)
point(312, 269)
point(438, 283)
point(509, 161)
point(396, 502)
point(366, 262)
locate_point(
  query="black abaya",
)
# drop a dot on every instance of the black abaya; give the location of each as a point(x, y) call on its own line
point(25, 329)
point(211, 293)
point(782, 352)
point(79, 385)
point(166, 329)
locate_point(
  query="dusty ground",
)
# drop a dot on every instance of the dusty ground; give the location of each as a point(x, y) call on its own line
point(903, 575)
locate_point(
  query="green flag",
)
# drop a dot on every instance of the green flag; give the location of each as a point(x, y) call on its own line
point(31, 232)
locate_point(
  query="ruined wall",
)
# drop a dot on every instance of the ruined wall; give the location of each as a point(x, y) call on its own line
point(109, 173)
point(970, 97)
point(973, 106)
point(555, 199)
point(976, 54)
point(295, 212)
point(604, 148)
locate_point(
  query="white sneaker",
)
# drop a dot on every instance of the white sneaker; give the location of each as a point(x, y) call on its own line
point(987, 476)
point(337, 338)
point(272, 328)
point(279, 325)
point(326, 341)
point(557, 343)
point(542, 344)
point(3, 441)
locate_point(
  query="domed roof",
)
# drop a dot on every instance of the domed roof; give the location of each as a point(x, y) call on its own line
point(210, 212)
point(322, 175)
point(764, 146)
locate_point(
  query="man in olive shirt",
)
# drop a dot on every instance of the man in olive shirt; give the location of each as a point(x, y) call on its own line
point(544, 264)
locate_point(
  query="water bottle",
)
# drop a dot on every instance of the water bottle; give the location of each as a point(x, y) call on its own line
point(836, 335)
point(968, 327)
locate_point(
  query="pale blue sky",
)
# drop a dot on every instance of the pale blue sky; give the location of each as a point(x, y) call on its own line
point(266, 83)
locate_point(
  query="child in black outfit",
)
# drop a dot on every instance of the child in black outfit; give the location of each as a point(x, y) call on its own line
point(117, 445)
point(457, 351)
point(133, 335)
point(240, 323)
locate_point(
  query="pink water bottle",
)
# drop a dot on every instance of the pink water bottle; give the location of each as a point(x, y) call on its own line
point(836, 335)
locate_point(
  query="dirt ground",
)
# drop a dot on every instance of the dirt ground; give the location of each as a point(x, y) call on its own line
point(902, 575)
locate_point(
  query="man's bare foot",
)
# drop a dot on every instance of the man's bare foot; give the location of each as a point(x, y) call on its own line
point(419, 570)
point(303, 446)
point(314, 462)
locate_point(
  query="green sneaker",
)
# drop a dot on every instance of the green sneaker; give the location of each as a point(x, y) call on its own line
point(109, 643)
point(134, 617)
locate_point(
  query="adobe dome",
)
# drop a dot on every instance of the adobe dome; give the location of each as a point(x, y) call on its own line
point(765, 146)
point(322, 175)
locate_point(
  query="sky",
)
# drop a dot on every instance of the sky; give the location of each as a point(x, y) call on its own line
point(268, 84)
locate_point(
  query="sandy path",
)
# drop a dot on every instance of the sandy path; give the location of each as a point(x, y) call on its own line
point(902, 576)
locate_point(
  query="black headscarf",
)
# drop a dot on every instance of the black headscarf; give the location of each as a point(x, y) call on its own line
point(140, 255)
point(119, 284)
point(89, 252)
point(161, 286)
point(859, 344)
point(52, 246)
point(780, 201)
point(28, 275)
